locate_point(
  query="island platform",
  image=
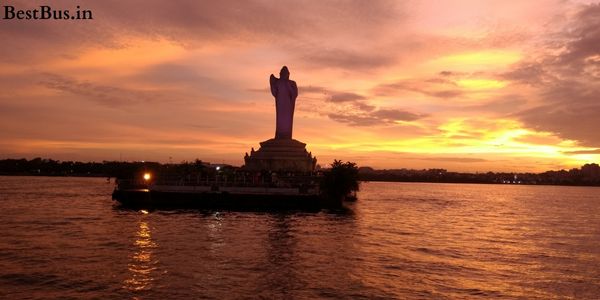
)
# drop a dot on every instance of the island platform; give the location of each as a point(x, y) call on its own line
point(221, 196)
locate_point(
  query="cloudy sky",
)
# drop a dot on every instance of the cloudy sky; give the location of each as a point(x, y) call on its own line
point(462, 85)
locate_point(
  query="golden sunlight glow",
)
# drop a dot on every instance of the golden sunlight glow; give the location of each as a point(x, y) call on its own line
point(586, 158)
point(475, 61)
point(480, 84)
point(489, 140)
point(135, 54)
point(147, 176)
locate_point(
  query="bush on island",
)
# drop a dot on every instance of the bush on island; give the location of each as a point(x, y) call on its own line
point(340, 181)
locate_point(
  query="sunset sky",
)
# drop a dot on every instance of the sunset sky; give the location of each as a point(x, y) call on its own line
point(462, 85)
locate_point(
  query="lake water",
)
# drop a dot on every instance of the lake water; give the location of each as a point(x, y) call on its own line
point(65, 237)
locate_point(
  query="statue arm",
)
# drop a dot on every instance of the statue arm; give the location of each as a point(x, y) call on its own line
point(273, 82)
point(294, 90)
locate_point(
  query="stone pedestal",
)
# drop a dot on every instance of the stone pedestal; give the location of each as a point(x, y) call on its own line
point(280, 155)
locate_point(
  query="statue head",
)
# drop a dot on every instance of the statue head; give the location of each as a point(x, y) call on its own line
point(284, 73)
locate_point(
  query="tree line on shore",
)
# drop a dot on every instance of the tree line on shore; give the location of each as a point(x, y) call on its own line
point(588, 174)
point(117, 169)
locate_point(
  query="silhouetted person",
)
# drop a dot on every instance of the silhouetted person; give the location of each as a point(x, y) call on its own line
point(285, 92)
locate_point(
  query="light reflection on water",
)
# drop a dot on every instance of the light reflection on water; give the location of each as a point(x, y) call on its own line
point(143, 264)
point(65, 238)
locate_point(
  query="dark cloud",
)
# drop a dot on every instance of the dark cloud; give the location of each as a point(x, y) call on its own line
point(110, 96)
point(346, 97)
point(576, 122)
point(345, 102)
point(438, 87)
point(355, 119)
point(567, 82)
point(532, 73)
point(376, 117)
point(595, 151)
point(302, 27)
point(313, 89)
point(444, 94)
point(584, 38)
point(396, 115)
point(352, 109)
point(345, 59)
point(363, 106)
point(443, 75)
point(332, 95)
point(351, 100)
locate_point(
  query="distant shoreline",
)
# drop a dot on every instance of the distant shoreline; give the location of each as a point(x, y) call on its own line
point(361, 181)
point(587, 175)
point(55, 175)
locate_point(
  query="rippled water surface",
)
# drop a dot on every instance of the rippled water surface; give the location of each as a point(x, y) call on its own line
point(65, 237)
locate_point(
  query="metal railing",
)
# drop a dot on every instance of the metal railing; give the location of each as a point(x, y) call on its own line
point(283, 181)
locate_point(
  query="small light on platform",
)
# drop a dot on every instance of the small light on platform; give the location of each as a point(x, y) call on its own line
point(147, 176)
point(218, 168)
point(143, 211)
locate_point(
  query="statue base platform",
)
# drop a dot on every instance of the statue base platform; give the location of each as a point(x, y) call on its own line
point(280, 155)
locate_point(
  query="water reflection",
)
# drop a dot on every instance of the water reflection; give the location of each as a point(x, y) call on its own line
point(143, 263)
point(281, 251)
point(214, 229)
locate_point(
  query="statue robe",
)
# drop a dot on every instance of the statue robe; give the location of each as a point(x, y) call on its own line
point(285, 92)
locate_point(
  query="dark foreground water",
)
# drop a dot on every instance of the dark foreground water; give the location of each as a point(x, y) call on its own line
point(64, 237)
